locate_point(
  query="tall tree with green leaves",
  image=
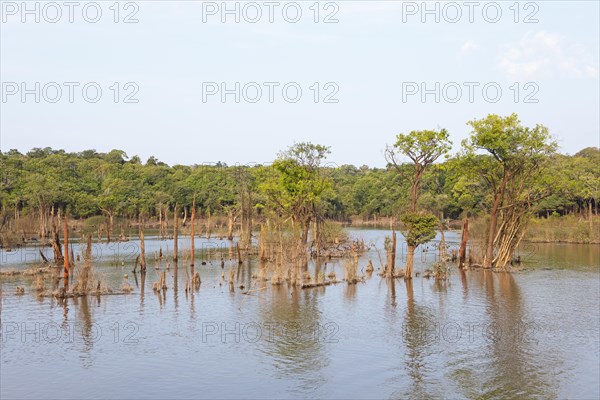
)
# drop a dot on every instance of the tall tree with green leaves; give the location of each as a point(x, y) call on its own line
point(508, 157)
point(295, 191)
point(422, 148)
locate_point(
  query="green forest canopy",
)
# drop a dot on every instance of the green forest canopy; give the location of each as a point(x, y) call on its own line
point(89, 183)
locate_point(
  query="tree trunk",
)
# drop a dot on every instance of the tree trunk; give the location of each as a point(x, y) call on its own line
point(142, 247)
point(414, 189)
point(192, 234)
point(261, 245)
point(175, 217)
point(316, 238)
point(58, 257)
point(160, 223)
point(247, 212)
point(462, 254)
point(230, 225)
point(410, 257)
point(165, 221)
point(88, 249)
point(42, 230)
point(591, 220)
point(66, 254)
point(208, 225)
point(108, 230)
point(442, 250)
point(239, 254)
point(393, 257)
point(305, 227)
point(489, 251)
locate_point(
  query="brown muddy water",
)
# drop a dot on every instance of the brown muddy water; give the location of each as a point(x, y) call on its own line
point(532, 334)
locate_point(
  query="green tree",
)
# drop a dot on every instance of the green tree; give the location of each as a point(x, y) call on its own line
point(295, 191)
point(423, 148)
point(515, 157)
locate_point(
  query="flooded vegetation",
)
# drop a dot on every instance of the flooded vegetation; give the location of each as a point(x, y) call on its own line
point(151, 281)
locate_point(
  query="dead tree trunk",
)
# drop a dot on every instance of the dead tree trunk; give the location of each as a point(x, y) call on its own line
point(66, 254)
point(208, 225)
point(462, 254)
point(261, 244)
point(230, 221)
point(442, 249)
point(165, 221)
point(175, 217)
point(142, 247)
point(58, 257)
point(193, 222)
point(160, 223)
point(239, 254)
point(393, 257)
point(591, 221)
point(316, 237)
point(88, 249)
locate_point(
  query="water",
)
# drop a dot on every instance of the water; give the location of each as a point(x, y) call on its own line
point(533, 334)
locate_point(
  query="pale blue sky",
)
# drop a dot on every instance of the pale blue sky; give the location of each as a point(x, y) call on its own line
point(369, 54)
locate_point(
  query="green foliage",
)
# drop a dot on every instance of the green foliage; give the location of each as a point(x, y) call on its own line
point(92, 224)
point(502, 156)
point(90, 183)
point(296, 185)
point(418, 228)
point(332, 233)
point(423, 147)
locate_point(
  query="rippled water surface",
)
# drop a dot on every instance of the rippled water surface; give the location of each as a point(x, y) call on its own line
point(533, 334)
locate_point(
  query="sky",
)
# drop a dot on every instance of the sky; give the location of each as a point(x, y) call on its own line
point(187, 83)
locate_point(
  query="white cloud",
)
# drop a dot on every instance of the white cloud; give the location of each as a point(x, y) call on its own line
point(468, 46)
point(544, 54)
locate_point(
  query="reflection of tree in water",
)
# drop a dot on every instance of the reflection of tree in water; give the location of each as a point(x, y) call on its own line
point(465, 286)
point(142, 290)
point(175, 286)
point(508, 367)
point(85, 329)
point(302, 358)
point(350, 292)
point(418, 335)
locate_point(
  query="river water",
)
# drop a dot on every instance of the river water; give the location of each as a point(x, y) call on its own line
point(480, 334)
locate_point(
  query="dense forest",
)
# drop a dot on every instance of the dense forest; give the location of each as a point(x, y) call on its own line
point(37, 185)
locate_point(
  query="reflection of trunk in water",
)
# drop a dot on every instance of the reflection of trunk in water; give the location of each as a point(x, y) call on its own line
point(87, 330)
point(304, 357)
point(509, 363)
point(392, 289)
point(463, 281)
point(412, 335)
point(142, 288)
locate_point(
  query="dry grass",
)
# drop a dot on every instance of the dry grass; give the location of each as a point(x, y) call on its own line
point(565, 229)
point(126, 288)
point(40, 284)
point(42, 269)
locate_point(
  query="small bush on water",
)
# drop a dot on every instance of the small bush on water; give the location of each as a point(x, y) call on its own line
point(440, 271)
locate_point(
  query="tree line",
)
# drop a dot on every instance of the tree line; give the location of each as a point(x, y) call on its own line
point(504, 171)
